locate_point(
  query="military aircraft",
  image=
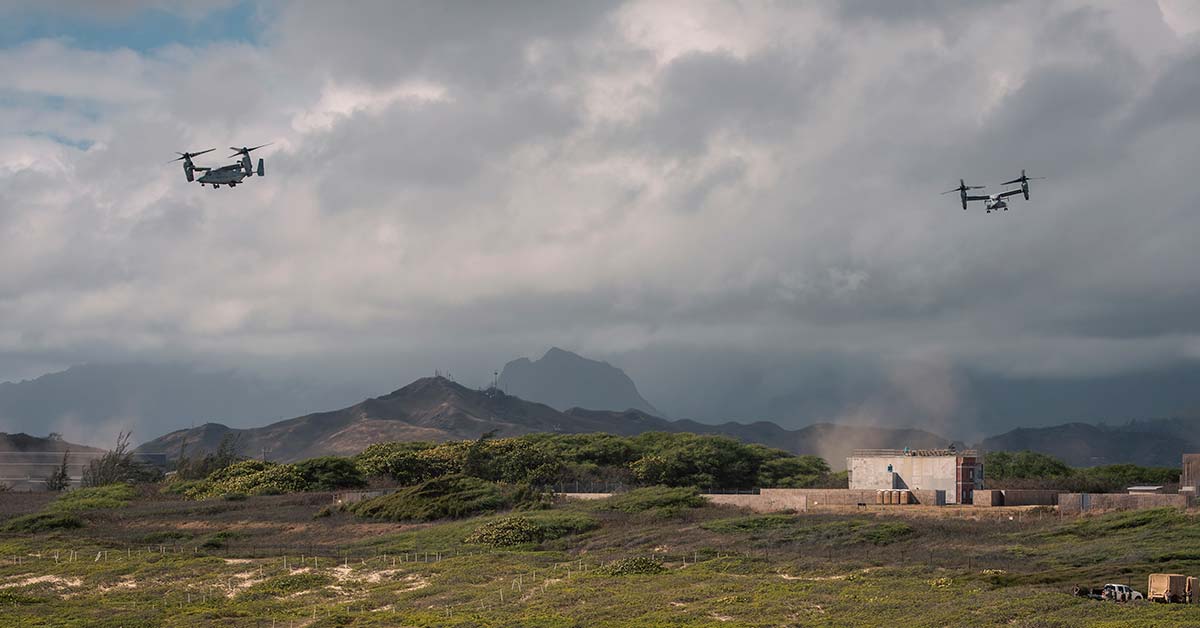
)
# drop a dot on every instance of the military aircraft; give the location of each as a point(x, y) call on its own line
point(230, 175)
point(994, 202)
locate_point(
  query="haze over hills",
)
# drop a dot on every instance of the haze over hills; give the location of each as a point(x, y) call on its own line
point(437, 409)
point(1152, 443)
point(91, 403)
point(562, 380)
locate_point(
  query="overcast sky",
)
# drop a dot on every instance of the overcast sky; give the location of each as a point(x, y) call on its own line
point(688, 189)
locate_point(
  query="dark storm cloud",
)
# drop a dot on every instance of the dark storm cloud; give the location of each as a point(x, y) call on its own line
point(744, 194)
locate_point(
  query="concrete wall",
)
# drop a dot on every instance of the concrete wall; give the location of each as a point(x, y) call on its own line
point(910, 472)
point(1075, 503)
point(1015, 497)
point(1029, 497)
point(1191, 470)
point(986, 498)
point(767, 501)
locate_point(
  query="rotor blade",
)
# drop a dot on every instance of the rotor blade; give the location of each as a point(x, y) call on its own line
point(1014, 181)
point(976, 187)
point(203, 151)
point(949, 191)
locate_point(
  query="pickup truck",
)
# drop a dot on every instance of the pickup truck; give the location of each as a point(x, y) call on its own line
point(1121, 593)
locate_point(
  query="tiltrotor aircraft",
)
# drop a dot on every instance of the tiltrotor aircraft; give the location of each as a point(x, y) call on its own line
point(994, 201)
point(230, 175)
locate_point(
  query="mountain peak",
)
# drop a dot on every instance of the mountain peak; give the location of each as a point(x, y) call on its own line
point(563, 379)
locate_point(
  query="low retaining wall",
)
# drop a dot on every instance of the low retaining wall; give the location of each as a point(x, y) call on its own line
point(1075, 503)
point(767, 501)
point(797, 499)
point(1014, 497)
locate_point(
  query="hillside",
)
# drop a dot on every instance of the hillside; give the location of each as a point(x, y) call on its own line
point(563, 380)
point(437, 409)
point(1150, 443)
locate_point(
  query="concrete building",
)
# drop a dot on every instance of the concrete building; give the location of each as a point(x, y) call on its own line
point(958, 473)
point(1190, 479)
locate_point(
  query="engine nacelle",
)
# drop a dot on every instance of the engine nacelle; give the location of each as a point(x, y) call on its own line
point(1025, 188)
point(261, 170)
point(187, 172)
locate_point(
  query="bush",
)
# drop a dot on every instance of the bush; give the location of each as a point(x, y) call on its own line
point(251, 477)
point(9, 598)
point(281, 586)
point(43, 522)
point(452, 496)
point(330, 473)
point(750, 524)
point(632, 566)
point(110, 496)
point(653, 498)
point(522, 529)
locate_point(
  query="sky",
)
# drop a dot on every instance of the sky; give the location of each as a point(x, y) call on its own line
point(737, 202)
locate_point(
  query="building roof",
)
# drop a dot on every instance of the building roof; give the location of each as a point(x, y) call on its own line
point(889, 453)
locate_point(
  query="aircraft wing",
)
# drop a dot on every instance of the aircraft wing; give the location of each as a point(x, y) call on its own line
point(1009, 193)
point(979, 198)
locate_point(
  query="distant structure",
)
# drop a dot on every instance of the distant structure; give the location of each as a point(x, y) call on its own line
point(1189, 481)
point(958, 473)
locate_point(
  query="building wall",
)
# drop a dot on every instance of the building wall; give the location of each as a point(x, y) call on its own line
point(911, 472)
point(1075, 503)
point(1191, 470)
point(1015, 497)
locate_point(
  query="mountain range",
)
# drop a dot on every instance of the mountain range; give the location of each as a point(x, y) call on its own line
point(438, 409)
point(571, 394)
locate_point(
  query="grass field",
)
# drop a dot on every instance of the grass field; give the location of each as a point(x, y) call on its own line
point(262, 561)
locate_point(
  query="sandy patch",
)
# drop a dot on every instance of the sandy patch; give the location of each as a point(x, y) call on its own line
point(54, 580)
point(237, 561)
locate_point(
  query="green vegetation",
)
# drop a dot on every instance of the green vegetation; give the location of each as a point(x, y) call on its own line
point(330, 473)
point(1028, 469)
point(448, 497)
point(660, 499)
point(109, 496)
point(607, 568)
point(750, 524)
point(282, 586)
point(117, 465)
point(632, 566)
point(647, 459)
point(255, 477)
point(42, 522)
point(530, 528)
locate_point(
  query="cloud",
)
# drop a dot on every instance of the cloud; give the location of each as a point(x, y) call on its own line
point(469, 183)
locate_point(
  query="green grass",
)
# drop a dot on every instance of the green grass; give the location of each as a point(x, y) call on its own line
point(78, 500)
point(43, 522)
point(709, 567)
point(662, 499)
point(447, 497)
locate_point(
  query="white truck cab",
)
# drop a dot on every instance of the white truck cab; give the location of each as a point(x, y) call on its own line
point(1121, 593)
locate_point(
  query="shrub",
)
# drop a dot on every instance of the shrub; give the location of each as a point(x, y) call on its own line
point(400, 461)
point(251, 477)
point(522, 529)
point(749, 524)
point(654, 497)
point(632, 566)
point(452, 496)
point(281, 586)
point(9, 598)
point(330, 473)
point(43, 522)
point(109, 496)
